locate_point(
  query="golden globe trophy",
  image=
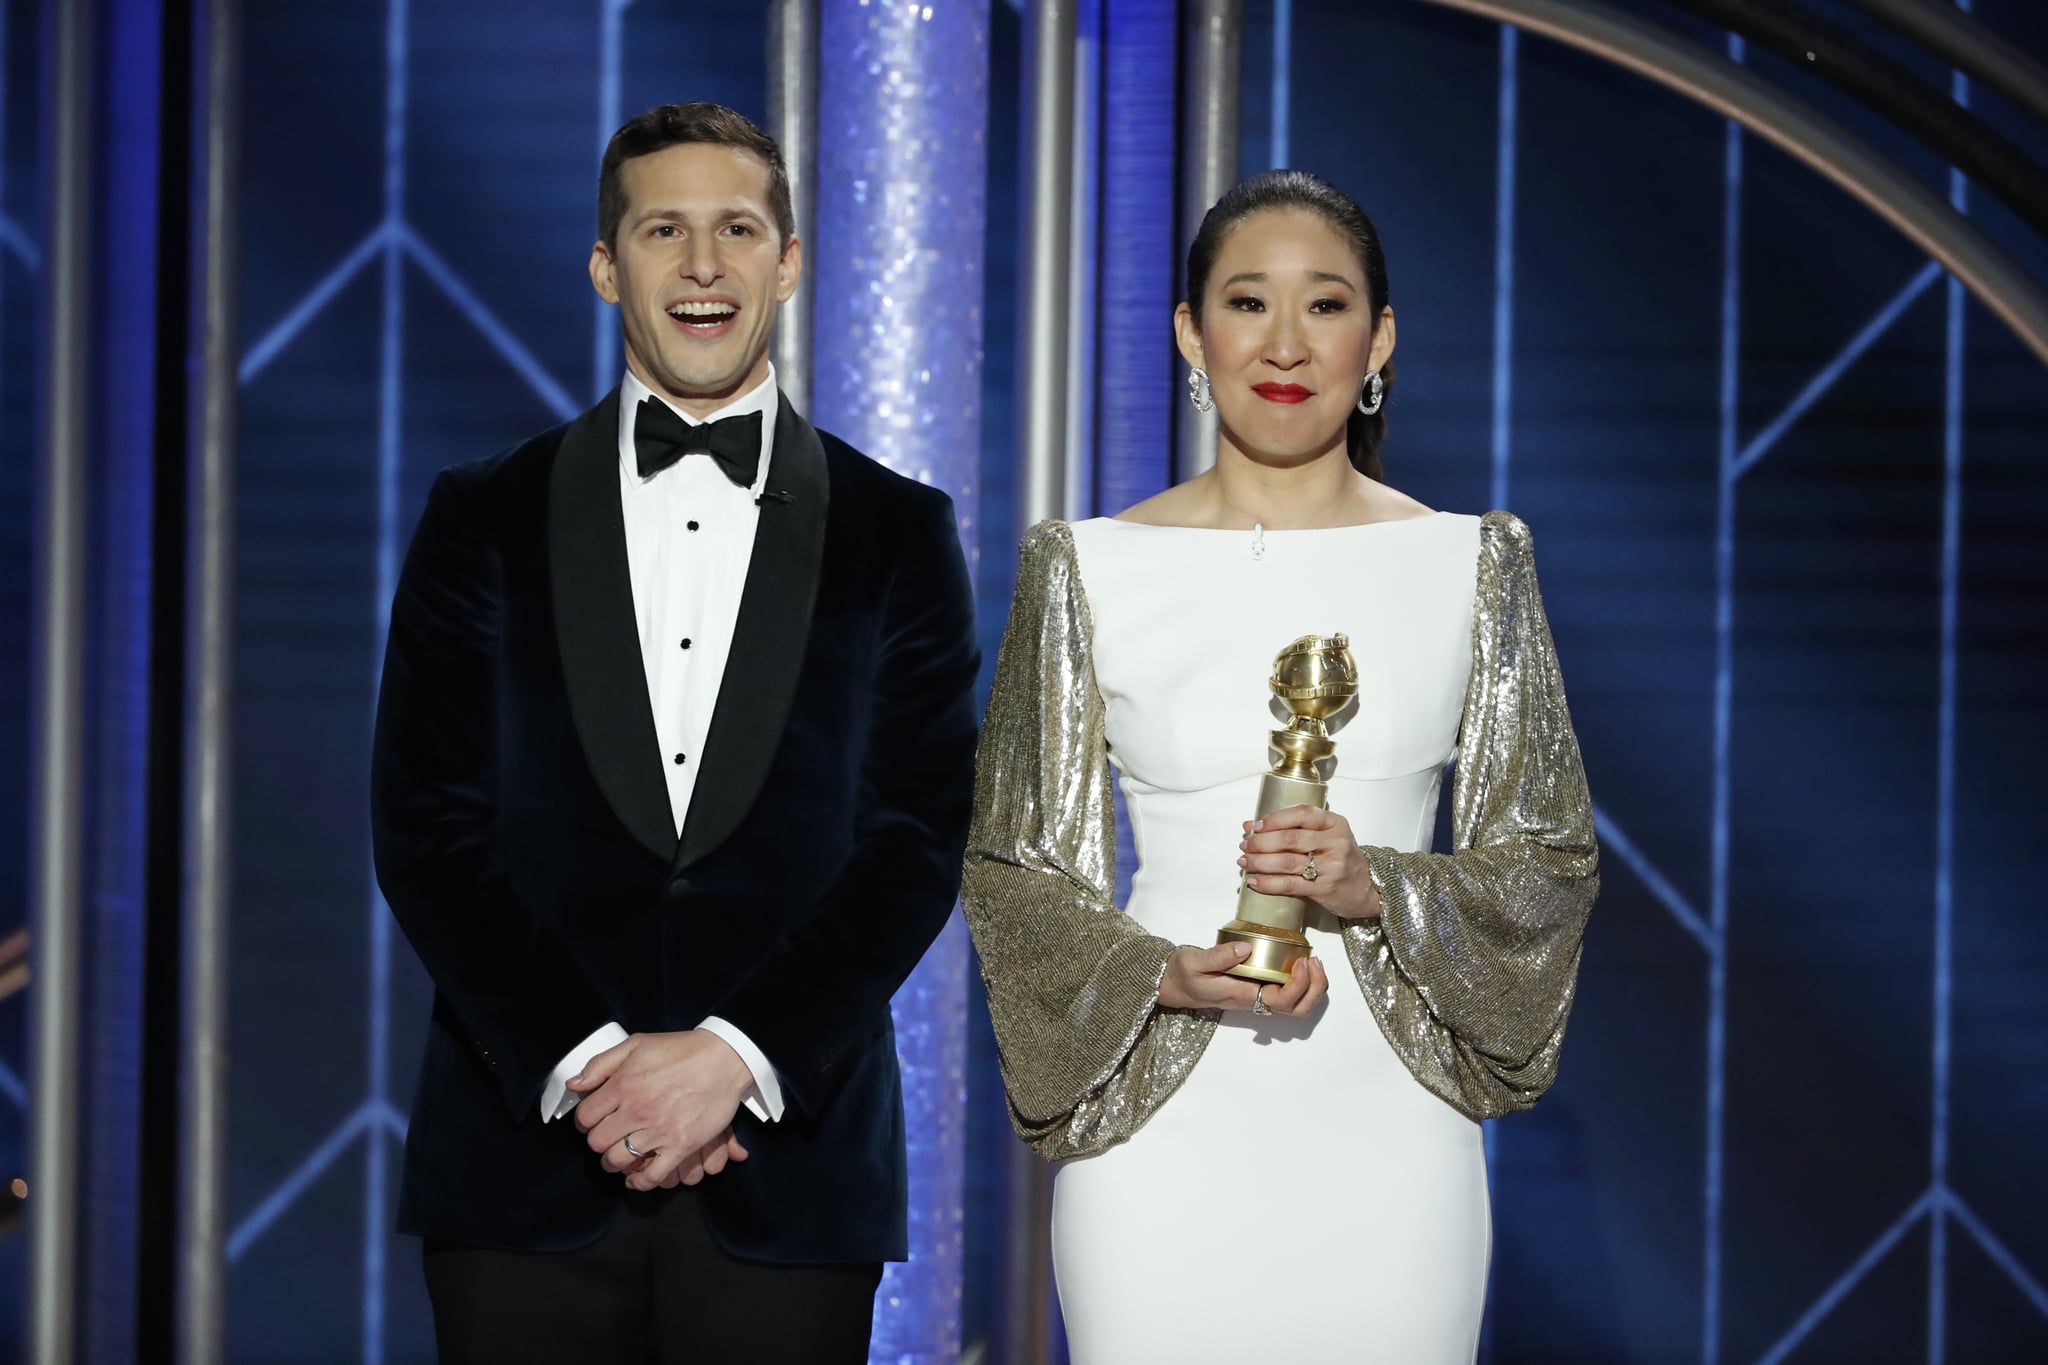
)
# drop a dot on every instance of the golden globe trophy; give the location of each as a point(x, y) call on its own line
point(1315, 678)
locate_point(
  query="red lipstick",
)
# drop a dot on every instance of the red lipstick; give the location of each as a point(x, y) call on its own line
point(1282, 393)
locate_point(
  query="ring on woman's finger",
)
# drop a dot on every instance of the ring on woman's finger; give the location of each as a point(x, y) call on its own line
point(1311, 871)
point(1259, 1005)
point(628, 1140)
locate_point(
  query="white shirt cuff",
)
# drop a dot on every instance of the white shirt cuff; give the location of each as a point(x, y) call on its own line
point(764, 1100)
point(556, 1099)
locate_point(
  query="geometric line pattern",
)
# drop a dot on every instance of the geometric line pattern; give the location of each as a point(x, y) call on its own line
point(392, 239)
point(23, 247)
point(1937, 1203)
point(1613, 841)
point(1839, 1290)
point(371, 1116)
point(1825, 380)
point(392, 242)
point(1952, 1205)
point(281, 334)
point(12, 1087)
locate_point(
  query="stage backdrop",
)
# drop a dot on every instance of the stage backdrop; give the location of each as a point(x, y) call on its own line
point(20, 264)
point(1783, 478)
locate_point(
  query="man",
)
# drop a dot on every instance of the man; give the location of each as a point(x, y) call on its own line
point(671, 780)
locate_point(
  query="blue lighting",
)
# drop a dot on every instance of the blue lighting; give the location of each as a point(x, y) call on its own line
point(1283, 63)
point(1849, 1279)
point(273, 1205)
point(604, 359)
point(1615, 841)
point(1818, 386)
point(1504, 259)
point(390, 435)
point(497, 333)
point(1999, 1253)
point(20, 243)
point(1507, 135)
point(1724, 697)
point(1945, 774)
point(287, 328)
point(1136, 280)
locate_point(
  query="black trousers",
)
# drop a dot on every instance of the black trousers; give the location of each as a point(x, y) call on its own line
point(654, 1290)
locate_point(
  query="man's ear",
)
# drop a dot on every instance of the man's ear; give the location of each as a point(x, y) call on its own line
point(601, 272)
point(789, 270)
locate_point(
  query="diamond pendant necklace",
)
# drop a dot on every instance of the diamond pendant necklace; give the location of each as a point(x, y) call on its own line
point(1258, 540)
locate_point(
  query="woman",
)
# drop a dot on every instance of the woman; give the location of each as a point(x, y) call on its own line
point(1288, 1171)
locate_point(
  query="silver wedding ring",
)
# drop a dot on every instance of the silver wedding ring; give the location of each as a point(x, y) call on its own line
point(1259, 1005)
point(628, 1140)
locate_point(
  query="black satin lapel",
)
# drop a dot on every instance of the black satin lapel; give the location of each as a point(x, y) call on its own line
point(768, 643)
point(596, 630)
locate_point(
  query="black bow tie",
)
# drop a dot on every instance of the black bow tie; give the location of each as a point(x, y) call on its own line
point(660, 438)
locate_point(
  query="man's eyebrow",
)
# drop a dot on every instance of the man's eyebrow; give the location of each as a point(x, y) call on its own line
point(725, 213)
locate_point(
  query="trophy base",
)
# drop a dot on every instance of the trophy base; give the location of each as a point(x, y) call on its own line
point(1274, 950)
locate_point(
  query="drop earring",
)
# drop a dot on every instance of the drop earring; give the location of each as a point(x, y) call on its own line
point(1198, 389)
point(1373, 394)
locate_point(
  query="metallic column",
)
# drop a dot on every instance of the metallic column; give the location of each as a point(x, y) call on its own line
point(902, 210)
point(1209, 133)
point(1043, 309)
point(1044, 315)
point(793, 121)
point(1083, 231)
point(209, 628)
point(59, 673)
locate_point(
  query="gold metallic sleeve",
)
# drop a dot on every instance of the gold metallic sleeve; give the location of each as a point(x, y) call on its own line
point(1472, 965)
point(1073, 983)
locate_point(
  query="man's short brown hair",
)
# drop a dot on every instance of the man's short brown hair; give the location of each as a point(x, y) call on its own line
point(671, 125)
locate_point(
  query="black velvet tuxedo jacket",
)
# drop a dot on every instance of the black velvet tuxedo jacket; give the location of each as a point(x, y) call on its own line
point(525, 842)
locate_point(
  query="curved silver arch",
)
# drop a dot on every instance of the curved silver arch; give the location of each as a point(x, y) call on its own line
point(1789, 124)
point(1959, 38)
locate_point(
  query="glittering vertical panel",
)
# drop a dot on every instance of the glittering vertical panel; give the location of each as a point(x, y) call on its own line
point(902, 160)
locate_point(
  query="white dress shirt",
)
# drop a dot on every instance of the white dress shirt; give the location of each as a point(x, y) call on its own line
point(689, 541)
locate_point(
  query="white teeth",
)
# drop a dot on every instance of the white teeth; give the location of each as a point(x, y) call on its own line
point(694, 309)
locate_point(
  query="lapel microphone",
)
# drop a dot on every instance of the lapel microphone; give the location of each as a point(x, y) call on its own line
point(774, 495)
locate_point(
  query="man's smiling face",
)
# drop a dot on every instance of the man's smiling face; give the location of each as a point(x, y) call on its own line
point(697, 269)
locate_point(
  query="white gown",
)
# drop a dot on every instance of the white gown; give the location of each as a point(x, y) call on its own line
point(1301, 1197)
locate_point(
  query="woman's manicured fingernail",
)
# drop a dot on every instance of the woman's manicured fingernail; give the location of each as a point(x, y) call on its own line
point(1258, 824)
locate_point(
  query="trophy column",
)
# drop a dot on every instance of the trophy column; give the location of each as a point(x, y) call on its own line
point(1315, 678)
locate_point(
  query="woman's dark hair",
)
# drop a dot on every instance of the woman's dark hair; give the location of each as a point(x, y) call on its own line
point(669, 125)
point(1304, 190)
